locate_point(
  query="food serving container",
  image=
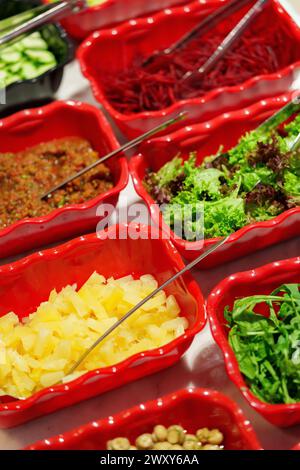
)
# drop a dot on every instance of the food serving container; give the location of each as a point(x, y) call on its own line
point(37, 91)
point(255, 282)
point(112, 50)
point(58, 120)
point(206, 139)
point(191, 408)
point(110, 12)
point(114, 254)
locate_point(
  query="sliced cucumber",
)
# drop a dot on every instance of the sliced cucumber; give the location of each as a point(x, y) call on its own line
point(15, 67)
point(25, 59)
point(43, 57)
point(29, 71)
point(44, 68)
point(12, 78)
point(11, 57)
point(34, 43)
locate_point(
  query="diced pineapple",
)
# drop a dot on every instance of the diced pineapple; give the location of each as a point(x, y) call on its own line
point(46, 313)
point(96, 279)
point(28, 339)
point(89, 296)
point(78, 305)
point(53, 364)
point(3, 353)
point(47, 380)
point(7, 322)
point(53, 295)
point(18, 362)
point(24, 384)
point(172, 306)
point(63, 349)
point(38, 351)
point(155, 302)
point(113, 295)
point(124, 280)
point(44, 344)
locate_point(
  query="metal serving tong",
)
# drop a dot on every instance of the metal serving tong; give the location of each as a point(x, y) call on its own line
point(282, 115)
point(295, 144)
point(228, 42)
point(208, 23)
point(129, 145)
point(145, 300)
point(36, 17)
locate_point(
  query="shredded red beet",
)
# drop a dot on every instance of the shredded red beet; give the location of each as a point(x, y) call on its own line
point(261, 50)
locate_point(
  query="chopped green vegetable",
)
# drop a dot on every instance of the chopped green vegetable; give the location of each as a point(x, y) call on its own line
point(267, 348)
point(25, 59)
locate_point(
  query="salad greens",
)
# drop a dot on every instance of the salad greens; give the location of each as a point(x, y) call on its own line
point(254, 181)
point(267, 348)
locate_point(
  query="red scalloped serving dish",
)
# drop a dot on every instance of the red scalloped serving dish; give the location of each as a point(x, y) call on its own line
point(58, 120)
point(74, 262)
point(111, 12)
point(257, 281)
point(191, 408)
point(112, 50)
point(206, 139)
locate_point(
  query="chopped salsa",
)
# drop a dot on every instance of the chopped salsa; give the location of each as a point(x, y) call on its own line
point(26, 175)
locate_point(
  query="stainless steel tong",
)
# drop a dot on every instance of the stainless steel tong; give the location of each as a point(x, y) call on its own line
point(206, 25)
point(36, 17)
point(128, 146)
point(228, 42)
point(203, 27)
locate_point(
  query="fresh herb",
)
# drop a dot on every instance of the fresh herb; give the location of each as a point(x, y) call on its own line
point(267, 347)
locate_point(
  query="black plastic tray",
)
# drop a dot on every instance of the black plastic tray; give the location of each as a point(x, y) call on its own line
point(39, 90)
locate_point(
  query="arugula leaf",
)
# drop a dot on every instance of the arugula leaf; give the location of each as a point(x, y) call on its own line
point(267, 347)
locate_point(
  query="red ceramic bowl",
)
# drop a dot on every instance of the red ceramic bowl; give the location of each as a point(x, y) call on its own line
point(112, 50)
point(74, 262)
point(258, 281)
point(110, 12)
point(191, 408)
point(206, 138)
point(58, 120)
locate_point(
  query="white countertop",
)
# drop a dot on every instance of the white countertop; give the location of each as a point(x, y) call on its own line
point(201, 366)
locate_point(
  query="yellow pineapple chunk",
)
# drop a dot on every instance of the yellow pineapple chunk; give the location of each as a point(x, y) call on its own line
point(39, 351)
